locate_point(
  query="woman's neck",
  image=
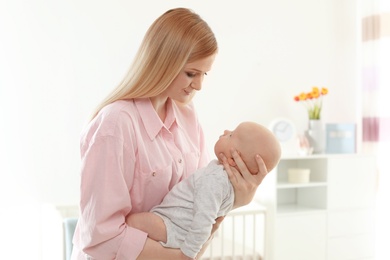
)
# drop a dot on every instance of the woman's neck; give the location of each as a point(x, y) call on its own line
point(160, 105)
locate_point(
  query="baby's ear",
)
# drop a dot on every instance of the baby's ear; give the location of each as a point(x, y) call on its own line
point(232, 162)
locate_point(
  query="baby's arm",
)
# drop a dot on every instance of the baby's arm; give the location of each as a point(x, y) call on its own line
point(149, 223)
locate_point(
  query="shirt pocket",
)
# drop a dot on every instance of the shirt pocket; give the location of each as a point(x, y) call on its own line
point(151, 186)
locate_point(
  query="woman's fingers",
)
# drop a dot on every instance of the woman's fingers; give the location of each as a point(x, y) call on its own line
point(255, 179)
point(240, 164)
point(245, 184)
point(262, 170)
point(229, 170)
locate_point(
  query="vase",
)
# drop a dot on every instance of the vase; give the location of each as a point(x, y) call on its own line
point(316, 135)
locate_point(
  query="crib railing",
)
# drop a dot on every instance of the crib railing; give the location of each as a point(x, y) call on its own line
point(240, 236)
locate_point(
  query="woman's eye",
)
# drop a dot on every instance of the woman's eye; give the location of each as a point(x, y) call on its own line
point(191, 74)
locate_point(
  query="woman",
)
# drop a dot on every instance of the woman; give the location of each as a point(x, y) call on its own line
point(145, 137)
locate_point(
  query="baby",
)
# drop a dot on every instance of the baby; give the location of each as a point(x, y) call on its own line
point(185, 217)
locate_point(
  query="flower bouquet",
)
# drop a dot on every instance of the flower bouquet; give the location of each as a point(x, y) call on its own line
point(312, 101)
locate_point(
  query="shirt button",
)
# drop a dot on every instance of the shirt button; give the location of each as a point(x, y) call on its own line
point(154, 174)
point(180, 160)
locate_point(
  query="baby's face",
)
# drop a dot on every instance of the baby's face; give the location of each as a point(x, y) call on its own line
point(223, 144)
point(249, 139)
point(229, 139)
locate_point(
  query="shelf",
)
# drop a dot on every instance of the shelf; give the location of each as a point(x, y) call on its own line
point(252, 208)
point(294, 208)
point(304, 157)
point(328, 214)
point(288, 185)
point(319, 156)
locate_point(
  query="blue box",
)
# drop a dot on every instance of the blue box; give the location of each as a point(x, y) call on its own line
point(340, 138)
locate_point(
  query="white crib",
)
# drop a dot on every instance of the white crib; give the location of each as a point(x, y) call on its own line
point(240, 236)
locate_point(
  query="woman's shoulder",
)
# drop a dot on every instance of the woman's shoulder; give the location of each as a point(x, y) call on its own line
point(111, 118)
point(116, 108)
point(117, 113)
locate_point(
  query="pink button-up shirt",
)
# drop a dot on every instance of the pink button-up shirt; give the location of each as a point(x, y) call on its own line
point(130, 160)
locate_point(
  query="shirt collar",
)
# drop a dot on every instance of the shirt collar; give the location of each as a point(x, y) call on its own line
point(150, 118)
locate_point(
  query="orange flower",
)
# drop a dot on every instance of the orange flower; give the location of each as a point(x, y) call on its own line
point(313, 101)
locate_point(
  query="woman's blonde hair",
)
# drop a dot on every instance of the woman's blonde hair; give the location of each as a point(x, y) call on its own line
point(177, 37)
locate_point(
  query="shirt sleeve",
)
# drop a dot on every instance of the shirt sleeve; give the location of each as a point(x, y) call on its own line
point(105, 202)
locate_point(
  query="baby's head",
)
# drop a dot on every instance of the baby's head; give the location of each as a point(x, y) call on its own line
point(249, 139)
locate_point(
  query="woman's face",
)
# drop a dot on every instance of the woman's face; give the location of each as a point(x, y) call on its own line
point(189, 80)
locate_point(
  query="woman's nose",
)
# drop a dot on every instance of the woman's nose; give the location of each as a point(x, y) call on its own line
point(196, 84)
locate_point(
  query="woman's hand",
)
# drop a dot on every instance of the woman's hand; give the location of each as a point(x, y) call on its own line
point(216, 225)
point(244, 183)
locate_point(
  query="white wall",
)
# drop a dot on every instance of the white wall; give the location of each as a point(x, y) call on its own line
point(59, 58)
point(273, 50)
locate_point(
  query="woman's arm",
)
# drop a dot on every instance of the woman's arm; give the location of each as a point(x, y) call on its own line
point(154, 250)
point(244, 183)
point(149, 223)
point(102, 232)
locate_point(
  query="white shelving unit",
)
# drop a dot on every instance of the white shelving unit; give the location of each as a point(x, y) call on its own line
point(329, 218)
